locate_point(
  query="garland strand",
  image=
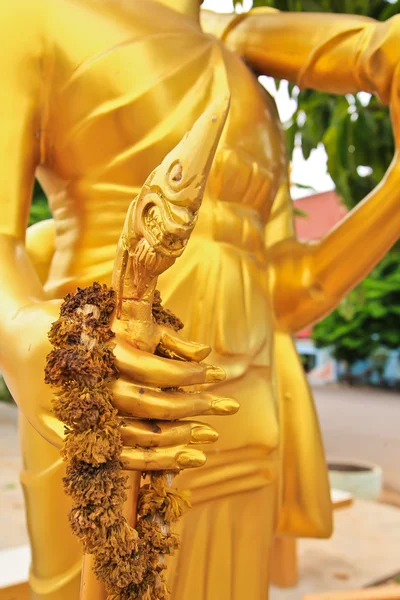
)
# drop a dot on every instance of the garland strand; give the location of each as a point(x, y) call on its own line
point(81, 367)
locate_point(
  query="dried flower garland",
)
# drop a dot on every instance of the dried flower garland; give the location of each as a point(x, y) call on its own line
point(81, 368)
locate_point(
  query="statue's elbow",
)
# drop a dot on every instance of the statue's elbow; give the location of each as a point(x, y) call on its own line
point(303, 299)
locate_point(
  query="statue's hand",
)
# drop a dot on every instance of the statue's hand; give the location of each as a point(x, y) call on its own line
point(24, 365)
point(153, 436)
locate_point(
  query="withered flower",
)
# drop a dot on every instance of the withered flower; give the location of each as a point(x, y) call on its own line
point(81, 368)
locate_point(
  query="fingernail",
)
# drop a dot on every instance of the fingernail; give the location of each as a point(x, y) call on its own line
point(225, 406)
point(198, 346)
point(204, 434)
point(214, 374)
point(202, 352)
point(187, 460)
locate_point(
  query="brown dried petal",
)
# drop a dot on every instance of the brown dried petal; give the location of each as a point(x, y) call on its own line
point(96, 294)
point(93, 446)
point(163, 316)
point(81, 366)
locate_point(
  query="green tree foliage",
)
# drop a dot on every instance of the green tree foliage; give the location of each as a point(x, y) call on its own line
point(377, 9)
point(368, 319)
point(358, 139)
point(40, 207)
point(355, 130)
point(357, 134)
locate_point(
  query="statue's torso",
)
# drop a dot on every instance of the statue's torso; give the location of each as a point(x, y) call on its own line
point(126, 80)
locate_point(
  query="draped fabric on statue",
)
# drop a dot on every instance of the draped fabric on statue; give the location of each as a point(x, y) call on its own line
point(305, 501)
point(213, 548)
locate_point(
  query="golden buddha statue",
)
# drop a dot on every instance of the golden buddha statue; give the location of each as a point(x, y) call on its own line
point(95, 95)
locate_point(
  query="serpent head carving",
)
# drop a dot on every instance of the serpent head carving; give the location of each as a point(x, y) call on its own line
point(162, 216)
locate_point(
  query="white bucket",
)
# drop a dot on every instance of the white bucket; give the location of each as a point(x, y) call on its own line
point(363, 480)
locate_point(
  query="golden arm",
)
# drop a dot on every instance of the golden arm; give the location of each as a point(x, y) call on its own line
point(24, 314)
point(340, 54)
point(20, 125)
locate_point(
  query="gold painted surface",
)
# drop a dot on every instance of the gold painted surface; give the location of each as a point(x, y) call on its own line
point(94, 99)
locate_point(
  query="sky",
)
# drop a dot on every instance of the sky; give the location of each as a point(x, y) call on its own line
point(312, 172)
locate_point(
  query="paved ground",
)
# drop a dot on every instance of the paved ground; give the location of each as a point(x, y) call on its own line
point(363, 550)
point(12, 521)
point(363, 424)
point(356, 423)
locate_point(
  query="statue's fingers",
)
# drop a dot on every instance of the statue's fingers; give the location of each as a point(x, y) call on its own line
point(151, 403)
point(174, 347)
point(158, 434)
point(171, 458)
point(146, 368)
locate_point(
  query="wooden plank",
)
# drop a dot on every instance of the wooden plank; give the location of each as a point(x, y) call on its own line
point(387, 592)
point(341, 499)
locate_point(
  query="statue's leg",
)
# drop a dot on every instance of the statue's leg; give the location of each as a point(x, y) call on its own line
point(226, 538)
point(56, 554)
point(225, 548)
